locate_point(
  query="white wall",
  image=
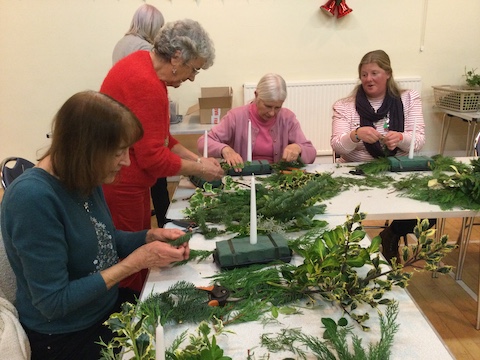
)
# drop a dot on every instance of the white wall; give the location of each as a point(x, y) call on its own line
point(51, 49)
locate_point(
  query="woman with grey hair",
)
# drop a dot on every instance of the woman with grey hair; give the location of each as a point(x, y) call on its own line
point(140, 82)
point(275, 131)
point(146, 23)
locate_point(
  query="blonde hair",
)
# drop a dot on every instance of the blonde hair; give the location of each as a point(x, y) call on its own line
point(146, 23)
point(382, 59)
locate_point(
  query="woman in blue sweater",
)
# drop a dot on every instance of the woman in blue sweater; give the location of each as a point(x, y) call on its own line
point(60, 238)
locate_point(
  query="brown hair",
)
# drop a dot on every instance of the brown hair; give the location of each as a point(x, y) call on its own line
point(86, 132)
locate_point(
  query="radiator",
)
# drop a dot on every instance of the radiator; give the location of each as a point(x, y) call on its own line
point(312, 101)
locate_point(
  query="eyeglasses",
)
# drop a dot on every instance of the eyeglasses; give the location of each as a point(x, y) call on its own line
point(194, 70)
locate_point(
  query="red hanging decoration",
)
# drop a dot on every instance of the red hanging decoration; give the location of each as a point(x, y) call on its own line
point(329, 7)
point(340, 5)
point(343, 9)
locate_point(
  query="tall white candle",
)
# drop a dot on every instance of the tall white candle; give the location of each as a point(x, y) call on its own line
point(253, 212)
point(412, 144)
point(159, 342)
point(249, 142)
point(205, 145)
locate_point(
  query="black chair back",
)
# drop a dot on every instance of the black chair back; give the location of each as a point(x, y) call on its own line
point(10, 173)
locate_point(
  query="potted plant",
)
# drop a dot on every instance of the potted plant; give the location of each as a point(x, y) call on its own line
point(471, 78)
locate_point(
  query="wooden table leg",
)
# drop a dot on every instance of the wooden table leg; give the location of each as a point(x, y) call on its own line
point(465, 233)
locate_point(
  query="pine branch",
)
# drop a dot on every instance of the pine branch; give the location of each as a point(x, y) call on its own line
point(335, 343)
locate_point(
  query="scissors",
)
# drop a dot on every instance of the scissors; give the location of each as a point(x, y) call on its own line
point(218, 295)
point(185, 223)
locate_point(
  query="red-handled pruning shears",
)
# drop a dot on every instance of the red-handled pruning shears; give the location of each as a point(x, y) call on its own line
point(218, 295)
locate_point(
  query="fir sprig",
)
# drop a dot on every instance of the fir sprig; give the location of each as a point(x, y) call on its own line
point(336, 340)
point(375, 166)
point(196, 255)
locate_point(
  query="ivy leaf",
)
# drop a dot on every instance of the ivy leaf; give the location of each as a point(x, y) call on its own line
point(143, 344)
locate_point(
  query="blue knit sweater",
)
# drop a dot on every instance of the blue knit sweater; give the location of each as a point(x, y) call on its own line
point(57, 244)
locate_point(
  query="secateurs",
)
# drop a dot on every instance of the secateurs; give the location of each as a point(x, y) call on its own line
point(218, 295)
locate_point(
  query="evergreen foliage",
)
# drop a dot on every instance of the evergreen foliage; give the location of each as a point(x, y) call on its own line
point(335, 344)
point(451, 184)
point(290, 205)
point(329, 272)
point(202, 346)
point(289, 202)
point(133, 333)
point(375, 166)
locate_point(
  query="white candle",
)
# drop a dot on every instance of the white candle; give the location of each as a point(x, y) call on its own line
point(253, 212)
point(249, 142)
point(159, 342)
point(205, 145)
point(412, 144)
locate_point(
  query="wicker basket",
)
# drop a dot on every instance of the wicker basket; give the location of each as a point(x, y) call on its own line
point(457, 98)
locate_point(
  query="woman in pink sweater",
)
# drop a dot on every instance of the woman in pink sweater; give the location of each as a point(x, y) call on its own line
point(276, 132)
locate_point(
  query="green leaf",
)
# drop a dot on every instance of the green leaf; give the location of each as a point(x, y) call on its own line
point(287, 310)
point(142, 343)
point(275, 312)
point(375, 244)
point(357, 261)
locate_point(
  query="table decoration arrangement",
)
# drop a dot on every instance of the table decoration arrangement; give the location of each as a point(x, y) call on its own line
point(336, 268)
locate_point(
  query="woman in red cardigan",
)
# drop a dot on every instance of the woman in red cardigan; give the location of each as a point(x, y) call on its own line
point(139, 81)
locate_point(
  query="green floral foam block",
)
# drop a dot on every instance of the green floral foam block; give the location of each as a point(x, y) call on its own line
point(239, 252)
point(257, 167)
point(404, 163)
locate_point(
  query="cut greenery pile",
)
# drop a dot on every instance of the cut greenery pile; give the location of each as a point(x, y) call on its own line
point(328, 273)
point(289, 201)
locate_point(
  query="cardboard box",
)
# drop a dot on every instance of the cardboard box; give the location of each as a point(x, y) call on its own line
point(214, 104)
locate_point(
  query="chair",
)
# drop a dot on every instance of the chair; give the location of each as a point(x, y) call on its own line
point(8, 283)
point(10, 173)
point(14, 342)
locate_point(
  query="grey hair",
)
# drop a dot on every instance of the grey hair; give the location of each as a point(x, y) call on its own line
point(146, 23)
point(272, 87)
point(188, 37)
